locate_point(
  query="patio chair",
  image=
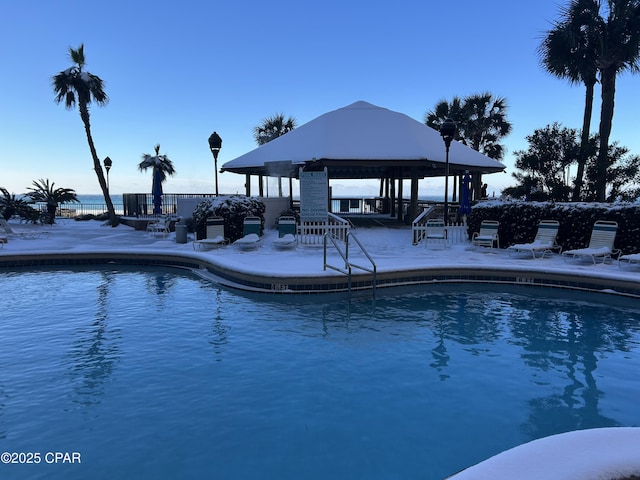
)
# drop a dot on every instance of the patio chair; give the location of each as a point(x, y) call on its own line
point(435, 233)
point(251, 234)
point(215, 235)
point(286, 233)
point(600, 246)
point(28, 234)
point(161, 226)
point(488, 234)
point(543, 243)
point(631, 259)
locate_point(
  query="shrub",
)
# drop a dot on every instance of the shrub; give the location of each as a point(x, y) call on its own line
point(519, 221)
point(233, 209)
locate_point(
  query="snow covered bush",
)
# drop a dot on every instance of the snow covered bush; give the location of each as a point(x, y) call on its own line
point(519, 221)
point(233, 209)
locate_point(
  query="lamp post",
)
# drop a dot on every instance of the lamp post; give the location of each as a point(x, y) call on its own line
point(107, 165)
point(215, 144)
point(448, 131)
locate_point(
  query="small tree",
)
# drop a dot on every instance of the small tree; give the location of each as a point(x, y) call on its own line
point(44, 192)
point(542, 174)
point(10, 206)
point(622, 176)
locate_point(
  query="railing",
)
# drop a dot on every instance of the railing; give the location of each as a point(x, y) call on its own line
point(70, 210)
point(348, 266)
point(141, 204)
point(312, 233)
point(455, 232)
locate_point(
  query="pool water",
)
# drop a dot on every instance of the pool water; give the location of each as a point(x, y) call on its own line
point(155, 373)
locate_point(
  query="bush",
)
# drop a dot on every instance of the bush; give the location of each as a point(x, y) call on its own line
point(233, 209)
point(519, 221)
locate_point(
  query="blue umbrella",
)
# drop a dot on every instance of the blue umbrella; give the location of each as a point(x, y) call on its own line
point(156, 191)
point(465, 195)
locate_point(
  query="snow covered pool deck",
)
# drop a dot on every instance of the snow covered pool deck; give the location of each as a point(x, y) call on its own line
point(268, 269)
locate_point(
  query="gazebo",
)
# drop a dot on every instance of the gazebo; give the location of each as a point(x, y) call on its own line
point(364, 141)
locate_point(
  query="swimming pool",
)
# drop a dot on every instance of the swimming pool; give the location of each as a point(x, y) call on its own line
point(154, 373)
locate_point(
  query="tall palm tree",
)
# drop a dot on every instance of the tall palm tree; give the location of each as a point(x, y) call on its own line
point(569, 51)
point(619, 30)
point(272, 128)
point(162, 167)
point(44, 192)
point(75, 85)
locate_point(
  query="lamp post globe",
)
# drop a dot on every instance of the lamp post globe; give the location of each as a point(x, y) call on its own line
point(215, 144)
point(107, 166)
point(448, 132)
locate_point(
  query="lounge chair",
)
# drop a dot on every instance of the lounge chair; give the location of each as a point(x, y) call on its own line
point(27, 234)
point(629, 259)
point(435, 233)
point(251, 234)
point(215, 235)
point(600, 245)
point(543, 243)
point(286, 233)
point(488, 234)
point(159, 226)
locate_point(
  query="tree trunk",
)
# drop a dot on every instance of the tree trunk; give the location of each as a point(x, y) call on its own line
point(608, 79)
point(584, 141)
point(84, 115)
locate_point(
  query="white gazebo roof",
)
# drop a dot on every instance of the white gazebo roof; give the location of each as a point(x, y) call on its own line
point(362, 140)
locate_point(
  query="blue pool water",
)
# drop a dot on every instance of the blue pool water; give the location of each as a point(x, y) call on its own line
point(158, 374)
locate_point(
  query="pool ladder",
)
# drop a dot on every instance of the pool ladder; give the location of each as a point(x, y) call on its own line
point(348, 266)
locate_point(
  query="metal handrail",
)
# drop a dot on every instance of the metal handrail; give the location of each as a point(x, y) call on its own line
point(345, 257)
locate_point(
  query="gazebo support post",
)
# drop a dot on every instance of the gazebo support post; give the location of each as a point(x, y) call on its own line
point(413, 208)
point(392, 196)
point(247, 185)
point(400, 202)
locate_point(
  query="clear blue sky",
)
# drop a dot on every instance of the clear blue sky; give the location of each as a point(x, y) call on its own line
point(176, 71)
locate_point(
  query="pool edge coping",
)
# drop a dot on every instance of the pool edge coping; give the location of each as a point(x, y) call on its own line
point(532, 275)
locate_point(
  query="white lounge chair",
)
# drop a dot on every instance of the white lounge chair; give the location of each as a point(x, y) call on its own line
point(28, 234)
point(435, 233)
point(488, 234)
point(159, 226)
point(543, 243)
point(215, 235)
point(286, 233)
point(629, 259)
point(251, 234)
point(600, 246)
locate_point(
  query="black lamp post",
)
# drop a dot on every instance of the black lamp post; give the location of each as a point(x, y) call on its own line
point(448, 131)
point(215, 144)
point(107, 165)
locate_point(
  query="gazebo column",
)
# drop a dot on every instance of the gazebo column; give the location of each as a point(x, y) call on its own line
point(260, 186)
point(399, 200)
point(392, 195)
point(413, 207)
point(247, 185)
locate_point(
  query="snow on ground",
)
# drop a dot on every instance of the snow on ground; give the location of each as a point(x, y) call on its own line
point(390, 248)
point(583, 455)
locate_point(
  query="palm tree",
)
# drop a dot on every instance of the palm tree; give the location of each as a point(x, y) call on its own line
point(270, 129)
point(10, 205)
point(569, 51)
point(273, 127)
point(619, 35)
point(162, 167)
point(481, 121)
point(44, 192)
point(75, 85)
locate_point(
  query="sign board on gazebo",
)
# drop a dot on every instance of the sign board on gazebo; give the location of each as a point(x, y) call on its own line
point(314, 196)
